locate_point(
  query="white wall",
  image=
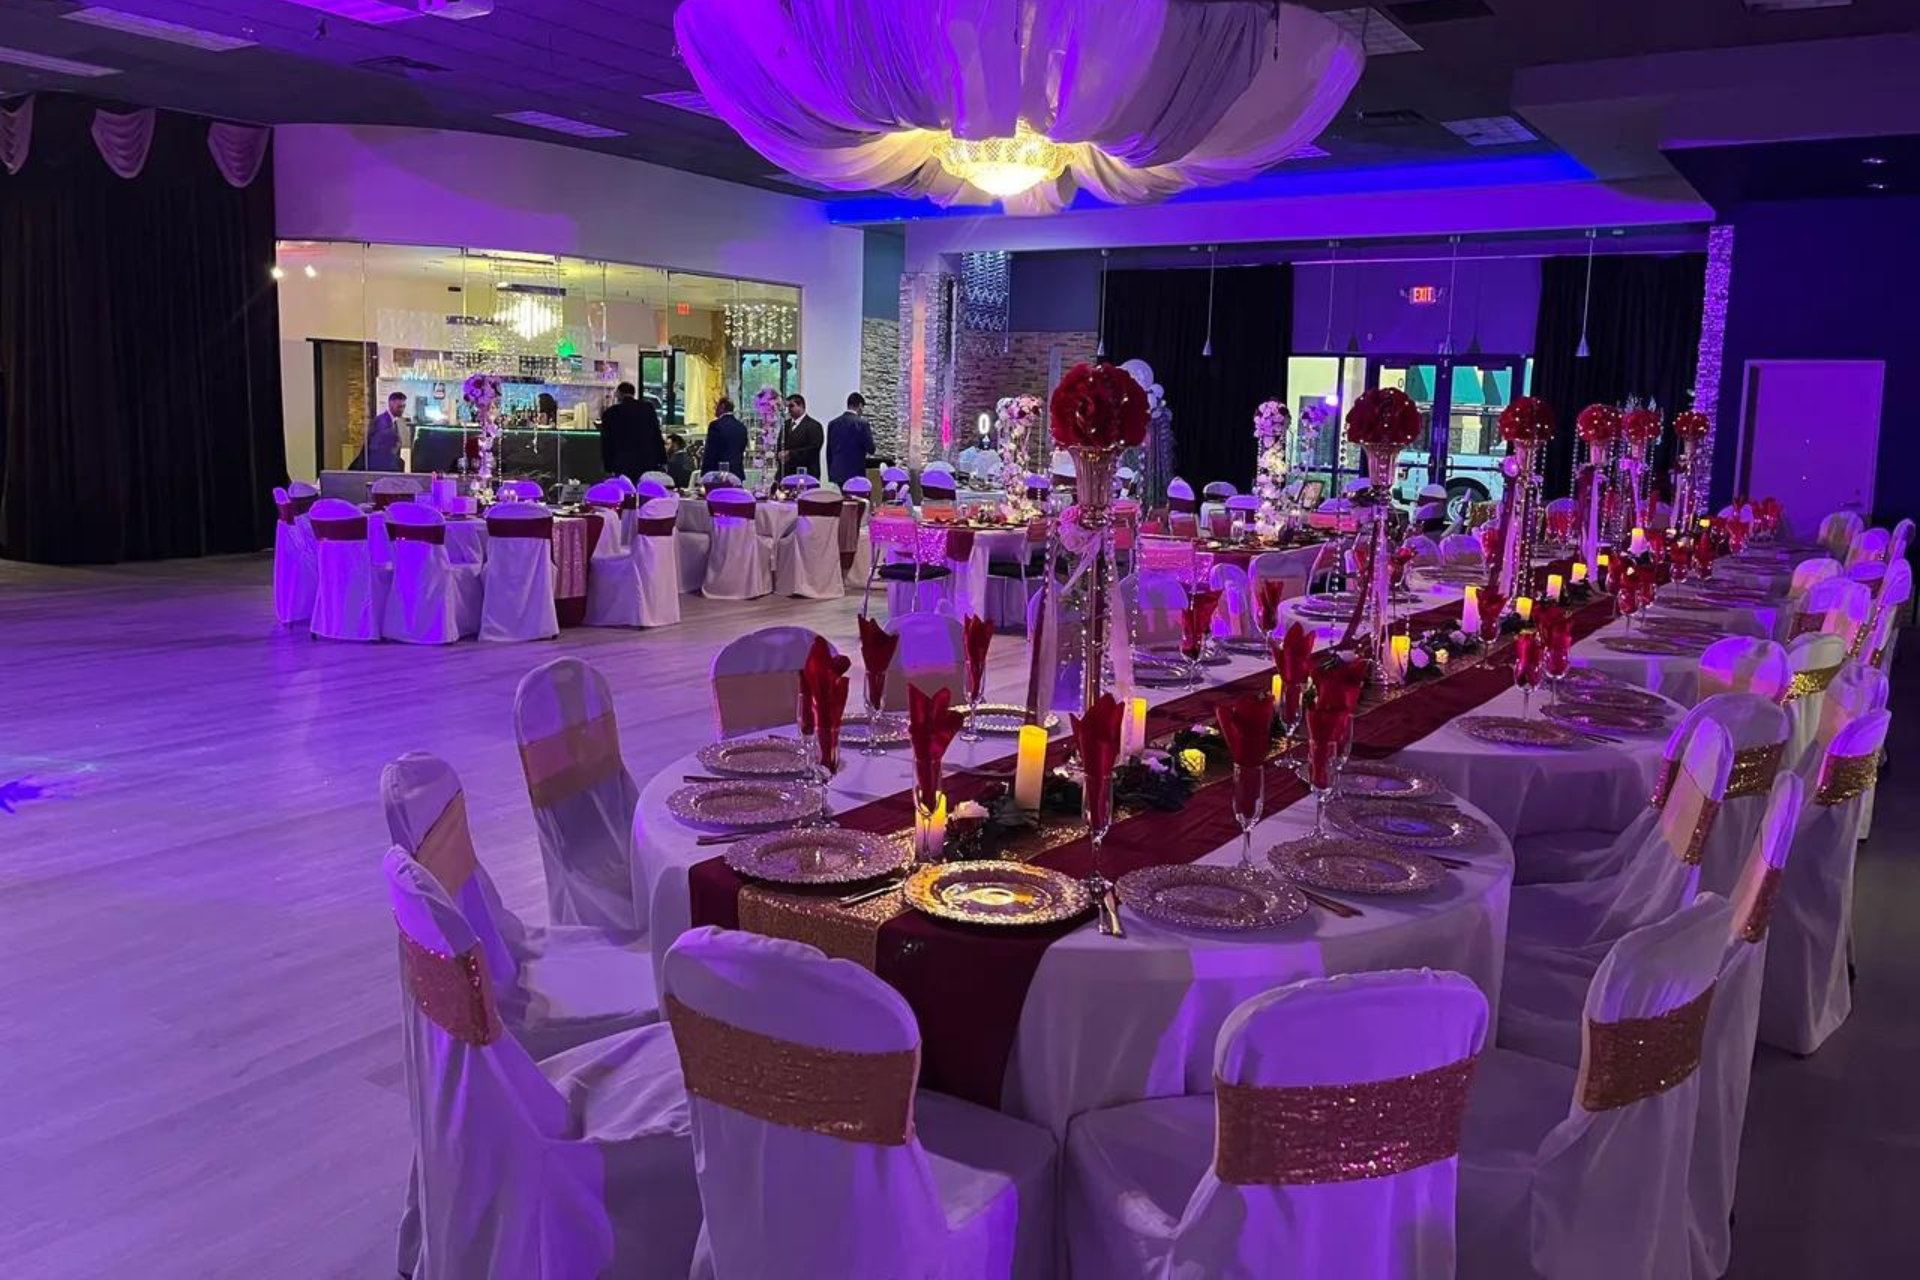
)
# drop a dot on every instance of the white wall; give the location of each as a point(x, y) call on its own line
point(433, 187)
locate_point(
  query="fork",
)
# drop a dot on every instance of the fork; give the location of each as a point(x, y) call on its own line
point(1331, 905)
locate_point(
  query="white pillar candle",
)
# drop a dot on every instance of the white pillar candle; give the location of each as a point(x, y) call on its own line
point(1554, 584)
point(1524, 607)
point(1470, 612)
point(1030, 767)
point(1579, 572)
point(1638, 546)
point(1401, 647)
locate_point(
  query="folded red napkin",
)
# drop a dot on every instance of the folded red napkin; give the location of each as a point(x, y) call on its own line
point(1703, 555)
point(1247, 725)
point(1327, 727)
point(1555, 626)
point(979, 635)
point(1197, 619)
point(931, 724)
point(1293, 659)
point(877, 647)
point(1529, 649)
point(1097, 734)
point(1267, 603)
point(1338, 684)
point(1493, 607)
point(816, 674)
point(830, 708)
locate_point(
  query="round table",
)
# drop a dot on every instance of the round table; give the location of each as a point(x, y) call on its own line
point(1113, 1020)
point(1672, 675)
point(771, 519)
point(466, 539)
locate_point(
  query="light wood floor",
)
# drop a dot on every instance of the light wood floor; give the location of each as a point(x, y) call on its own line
point(198, 1044)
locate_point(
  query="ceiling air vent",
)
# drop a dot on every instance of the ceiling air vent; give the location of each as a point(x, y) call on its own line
point(403, 67)
point(1375, 31)
point(1490, 131)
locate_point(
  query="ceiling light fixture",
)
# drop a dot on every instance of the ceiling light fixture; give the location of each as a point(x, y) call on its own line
point(1004, 167)
point(1100, 347)
point(1876, 186)
point(138, 24)
point(1586, 298)
point(277, 272)
point(57, 66)
point(559, 124)
point(1213, 263)
point(310, 271)
point(1873, 160)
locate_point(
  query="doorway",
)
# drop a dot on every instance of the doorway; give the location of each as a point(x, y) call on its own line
point(1810, 433)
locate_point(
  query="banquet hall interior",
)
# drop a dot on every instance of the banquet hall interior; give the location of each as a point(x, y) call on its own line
point(839, 638)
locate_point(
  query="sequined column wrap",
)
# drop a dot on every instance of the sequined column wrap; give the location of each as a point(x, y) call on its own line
point(1305, 1135)
point(1753, 925)
point(1812, 680)
point(564, 764)
point(857, 1097)
point(454, 992)
point(1846, 777)
point(1638, 1058)
point(1754, 770)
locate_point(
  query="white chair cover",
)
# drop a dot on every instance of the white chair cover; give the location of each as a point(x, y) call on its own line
point(1902, 539)
point(1858, 689)
point(927, 1187)
point(1295, 569)
point(1218, 491)
point(519, 574)
point(1816, 659)
point(583, 797)
point(1461, 549)
point(1809, 574)
point(1745, 664)
point(618, 501)
point(756, 679)
point(892, 481)
point(296, 567)
point(350, 598)
point(1424, 549)
point(1234, 616)
point(1869, 545)
point(521, 491)
point(1732, 1023)
point(1153, 602)
point(807, 561)
point(641, 587)
point(580, 1165)
point(432, 600)
point(652, 488)
point(1583, 1176)
point(1839, 529)
point(932, 656)
point(661, 479)
point(1151, 1190)
point(739, 557)
point(1808, 993)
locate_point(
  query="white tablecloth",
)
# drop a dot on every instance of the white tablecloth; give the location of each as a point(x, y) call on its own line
point(466, 539)
point(1676, 676)
point(771, 519)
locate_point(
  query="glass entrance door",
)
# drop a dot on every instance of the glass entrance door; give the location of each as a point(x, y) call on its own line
point(1460, 447)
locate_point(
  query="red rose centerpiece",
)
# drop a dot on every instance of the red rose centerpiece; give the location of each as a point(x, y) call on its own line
point(1691, 426)
point(1527, 421)
point(1098, 406)
point(1599, 425)
point(1641, 426)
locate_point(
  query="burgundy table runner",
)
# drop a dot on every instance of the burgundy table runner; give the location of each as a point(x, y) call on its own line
point(968, 984)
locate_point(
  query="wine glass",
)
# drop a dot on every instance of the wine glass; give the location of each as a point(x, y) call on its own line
point(1627, 599)
point(1528, 657)
point(1559, 661)
point(1096, 808)
point(976, 678)
point(1249, 805)
point(875, 686)
point(1192, 646)
point(1321, 769)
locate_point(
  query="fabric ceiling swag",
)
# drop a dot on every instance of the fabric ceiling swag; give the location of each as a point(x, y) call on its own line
point(125, 138)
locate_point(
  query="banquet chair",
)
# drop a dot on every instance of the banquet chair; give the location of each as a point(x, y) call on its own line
point(641, 587)
point(1014, 571)
point(519, 574)
point(937, 484)
point(1153, 602)
point(1569, 1174)
point(1243, 508)
point(1235, 615)
point(1816, 660)
point(431, 599)
point(651, 488)
point(1270, 1176)
point(719, 480)
point(387, 490)
point(1039, 488)
point(350, 595)
point(1180, 497)
point(908, 555)
point(932, 656)
point(1869, 546)
point(739, 557)
point(853, 513)
point(1901, 540)
point(616, 506)
point(1838, 531)
point(521, 491)
point(1423, 547)
point(798, 482)
point(660, 478)
point(1461, 549)
point(558, 985)
point(580, 1164)
point(893, 483)
point(1173, 556)
point(1745, 664)
point(1859, 688)
point(807, 561)
point(1726, 1067)
point(817, 1156)
point(692, 537)
point(582, 795)
point(1295, 569)
point(1808, 989)
point(1809, 574)
point(296, 563)
point(756, 679)
point(1891, 589)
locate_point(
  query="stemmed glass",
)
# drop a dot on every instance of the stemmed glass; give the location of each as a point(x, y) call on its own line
point(976, 679)
point(874, 691)
point(1626, 598)
point(1249, 805)
point(1096, 808)
point(1529, 652)
point(1559, 661)
point(1321, 770)
point(1191, 648)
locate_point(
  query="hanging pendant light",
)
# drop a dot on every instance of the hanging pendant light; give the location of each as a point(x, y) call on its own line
point(1453, 278)
point(1213, 261)
point(1333, 276)
point(1582, 352)
point(1100, 348)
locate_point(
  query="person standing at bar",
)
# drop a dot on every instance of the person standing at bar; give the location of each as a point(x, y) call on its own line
point(630, 443)
point(383, 437)
point(849, 442)
point(800, 439)
point(726, 442)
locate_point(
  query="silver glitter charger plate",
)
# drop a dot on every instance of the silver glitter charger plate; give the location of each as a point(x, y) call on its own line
point(1400, 822)
point(743, 805)
point(818, 855)
point(756, 757)
point(1203, 897)
point(1356, 866)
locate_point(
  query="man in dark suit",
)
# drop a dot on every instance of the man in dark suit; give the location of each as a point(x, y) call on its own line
point(801, 439)
point(630, 443)
point(382, 450)
point(726, 442)
point(849, 442)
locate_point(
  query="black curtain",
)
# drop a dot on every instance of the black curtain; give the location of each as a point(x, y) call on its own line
point(139, 349)
point(1643, 339)
point(1161, 317)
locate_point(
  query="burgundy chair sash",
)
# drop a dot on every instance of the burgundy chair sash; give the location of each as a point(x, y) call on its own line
point(938, 492)
point(1185, 506)
point(431, 533)
point(820, 508)
point(1038, 492)
point(381, 501)
point(343, 529)
point(733, 508)
point(629, 502)
point(655, 527)
point(284, 510)
point(541, 528)
point(302, 503)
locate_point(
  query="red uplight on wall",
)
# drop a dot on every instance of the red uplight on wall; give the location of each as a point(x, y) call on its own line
point(1423, 295)
point(683, 308)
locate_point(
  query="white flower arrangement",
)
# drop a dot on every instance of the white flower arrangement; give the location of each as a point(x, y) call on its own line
point(767, 402)
point(1270, 423)
point(1014, 419)
point(482, 391)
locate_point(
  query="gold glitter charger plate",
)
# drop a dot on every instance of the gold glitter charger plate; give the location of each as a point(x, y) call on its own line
point(995, 893)
point(744, 804)
point(1604, 719)
point(818, 855)
point(1624, 697)
point(756, 757)
point(1355, 866)
point(1202, 897)
point(1650, 646)
point(892, 726)
point(1512, 731)
point(1401, 822)
point(1157, 669)
point(1376, 779)
point(1690, 604)
point(1006, 717)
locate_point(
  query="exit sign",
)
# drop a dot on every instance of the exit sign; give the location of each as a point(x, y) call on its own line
point(683, 308)
point(1423, 295)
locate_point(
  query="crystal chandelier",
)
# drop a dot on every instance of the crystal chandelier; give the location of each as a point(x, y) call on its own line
point(1005, 166)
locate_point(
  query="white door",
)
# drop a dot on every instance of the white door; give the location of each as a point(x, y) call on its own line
point(1811, 435)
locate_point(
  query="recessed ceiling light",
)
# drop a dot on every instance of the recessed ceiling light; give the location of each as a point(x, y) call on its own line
point(1873, 160)
point(559, 124)
point(310, 271)
point(135, 24)
point(1876, 186)
point(58, 66)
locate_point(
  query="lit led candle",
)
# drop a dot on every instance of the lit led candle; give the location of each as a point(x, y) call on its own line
point(930, 831)
point(1554, 583)
point(1579, 572)
point(1030, 766)
point(1401, 647)
point(1606, 568)
point(1136, 737)
point(1470, 612)
point(1705, 523)
point(1638, 546)
point(1523, 606)
point(1279, 690)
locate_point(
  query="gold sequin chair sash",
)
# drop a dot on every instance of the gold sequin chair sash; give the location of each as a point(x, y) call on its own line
point(454, 992)
point(1843, 778)
point(1634, 1059)
point(564, 764)
point(1686, 813)
point(1306, 1135)
point(1758, 912)
point(1811, 681)
point(857, 1097)
point(446, 850)
point(1754, 769)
